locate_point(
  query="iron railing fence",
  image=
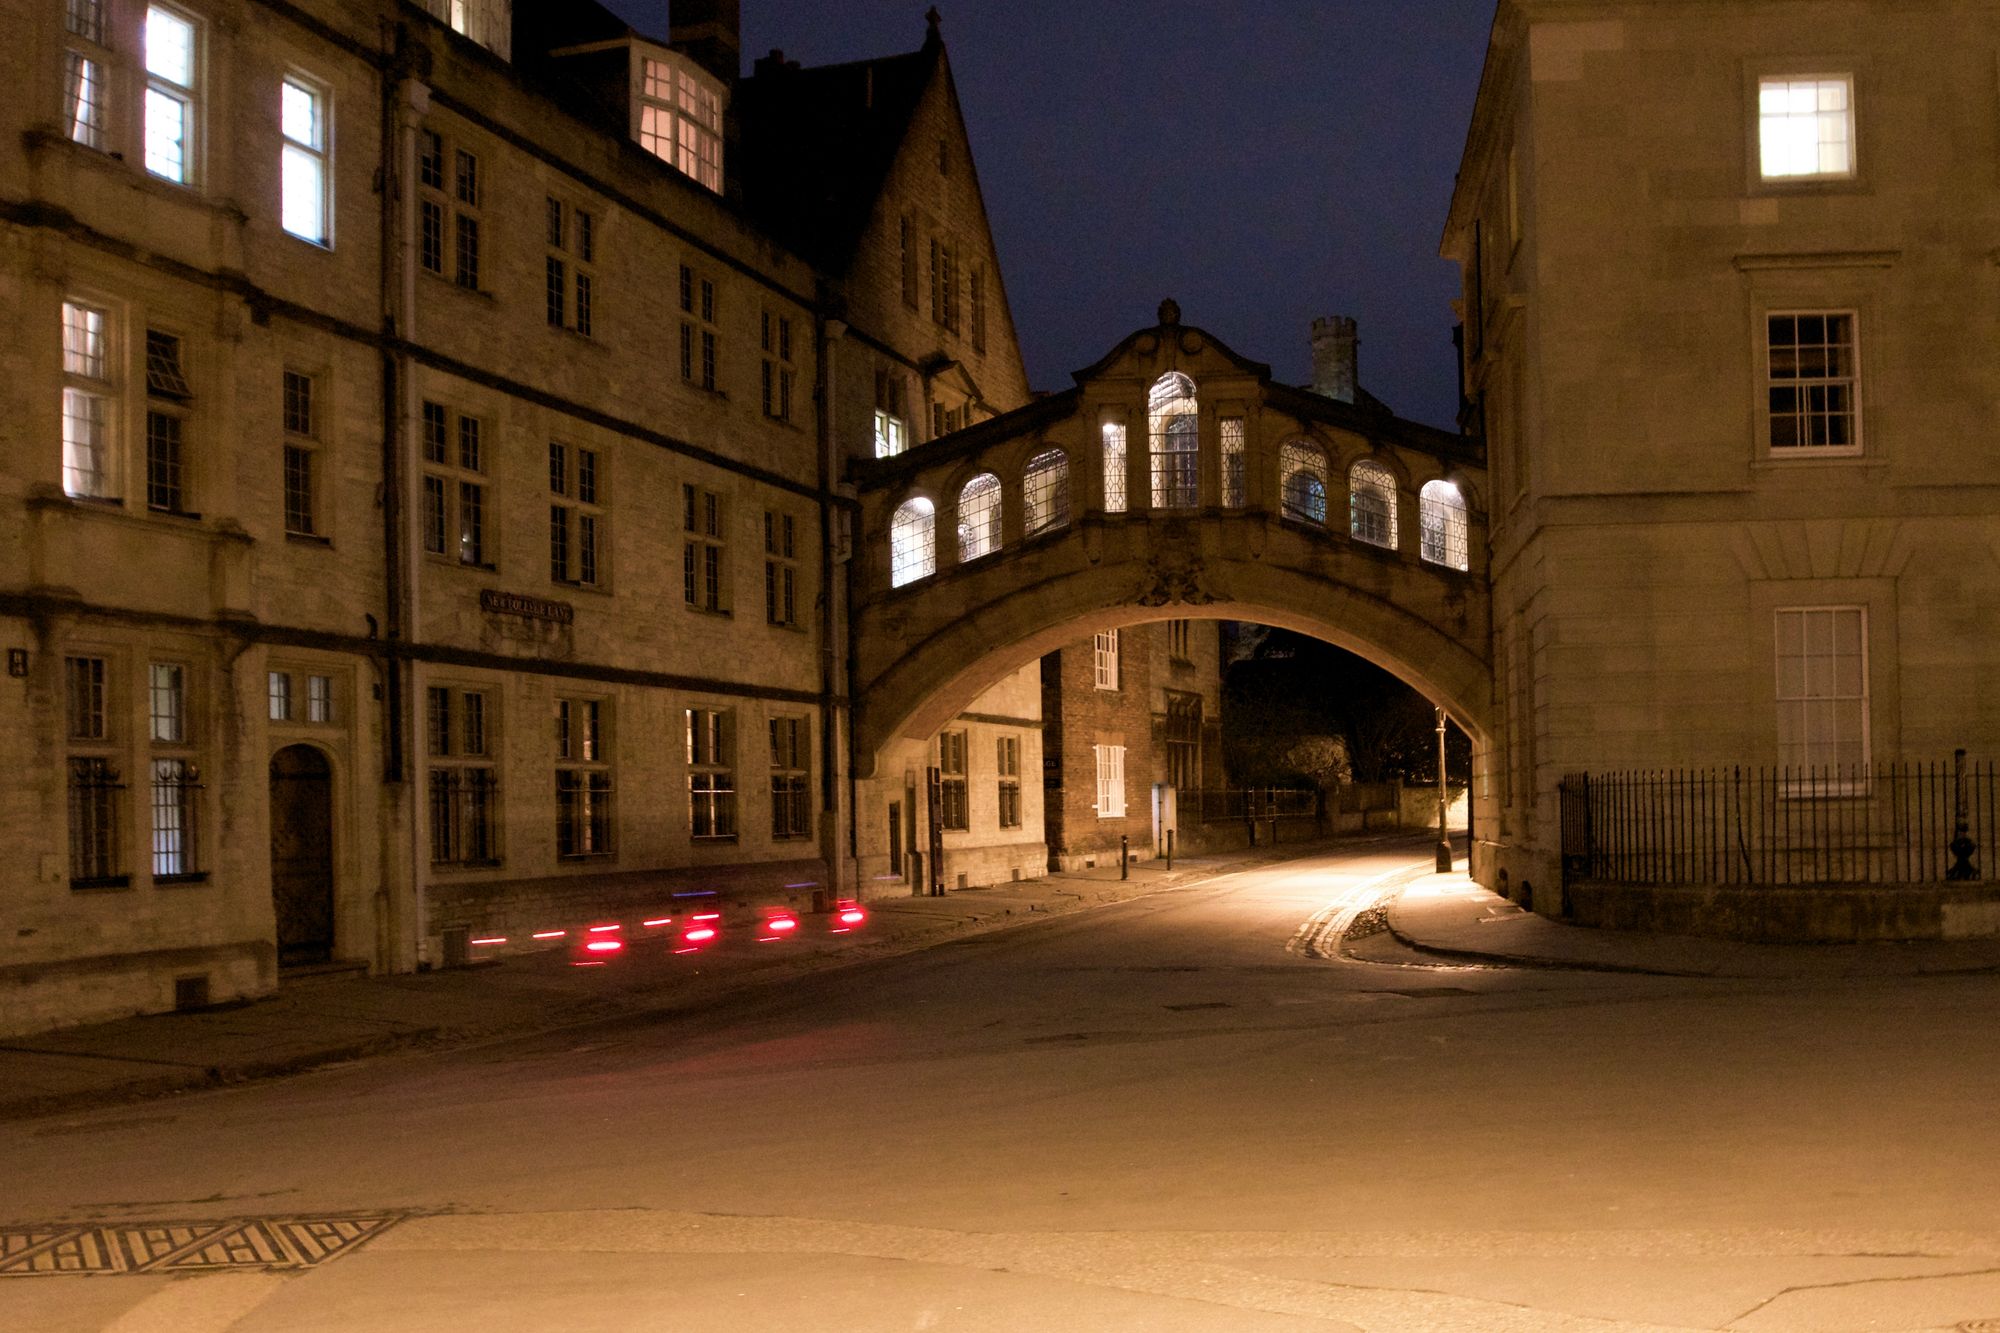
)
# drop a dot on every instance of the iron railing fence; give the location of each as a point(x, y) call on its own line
point(1217, 805)
point(1909, 823)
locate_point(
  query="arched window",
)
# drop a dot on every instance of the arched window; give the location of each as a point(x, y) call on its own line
point(1045, 491)
point(1373, 491)
point(913, 542)
point(1176, 442)
point(979, 517)
point(1441, 525)
point(1302, 481)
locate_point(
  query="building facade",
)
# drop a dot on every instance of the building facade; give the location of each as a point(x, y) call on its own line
point(1134, 726)
point(423, 477)
point(1730, 299)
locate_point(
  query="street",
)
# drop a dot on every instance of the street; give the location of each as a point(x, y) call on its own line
point(1191, 1111)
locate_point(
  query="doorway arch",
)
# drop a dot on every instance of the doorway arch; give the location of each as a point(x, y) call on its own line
point(302, 855)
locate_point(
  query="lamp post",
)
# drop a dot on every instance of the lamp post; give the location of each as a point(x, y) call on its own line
point(1444, 796)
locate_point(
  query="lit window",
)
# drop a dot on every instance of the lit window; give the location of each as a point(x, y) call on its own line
point(1176, 442)
point(913, 542)
point(87, 403)
point(170, 57)
point(175, 782)
point(1045, 492)
point(679, 118)
point(1805, 128)
point(1110, 781)
point(1303, 488)
point(304, 161)
point(487, 22)
point(1822, 689)
point(280, 694)
point(1372, 489)
point(83, 100)
point(1813, 394)
point(1233, 440)
point(891, 435)
point(1442, 525)
point(1114, 467)
point(979, 517)
point(1104, 653)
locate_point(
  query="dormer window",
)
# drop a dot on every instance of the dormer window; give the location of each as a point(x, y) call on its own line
point(677, 115)
point(487, 22)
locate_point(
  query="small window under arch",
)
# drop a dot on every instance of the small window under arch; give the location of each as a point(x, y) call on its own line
point(979, 517)
point(1442, 523)
point(1372, 489)
point(913, 542)
point(1176, 440)
point(1302, 481)
point(1045, 492)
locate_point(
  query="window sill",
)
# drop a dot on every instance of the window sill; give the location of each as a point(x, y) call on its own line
point(709, 389)
point(1775, 461)
point(308, 539)
point(713, 839)
point(185, 515)
point(570, 585)
point(789, 626)
point(447, 866)
point(180, 881)
point(723, 612)
point(101, 884)
point(791, 837)
point(323, 246)
point(578, 858)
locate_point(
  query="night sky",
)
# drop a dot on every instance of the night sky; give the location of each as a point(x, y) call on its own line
point(1292, 159)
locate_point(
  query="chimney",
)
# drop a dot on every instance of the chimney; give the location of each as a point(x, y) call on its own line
point(711, 31)
point(1336, 360)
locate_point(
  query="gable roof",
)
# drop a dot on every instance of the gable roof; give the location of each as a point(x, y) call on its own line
point(818, 144)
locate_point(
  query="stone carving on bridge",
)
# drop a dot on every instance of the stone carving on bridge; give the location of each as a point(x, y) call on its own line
point(1171, 579)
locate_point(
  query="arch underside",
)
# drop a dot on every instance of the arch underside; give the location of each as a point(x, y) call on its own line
point(926, 653)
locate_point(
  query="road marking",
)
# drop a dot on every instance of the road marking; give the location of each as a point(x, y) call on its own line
point(1322, 932)
point(270, 1244)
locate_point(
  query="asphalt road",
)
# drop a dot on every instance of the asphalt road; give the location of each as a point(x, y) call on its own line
point(1194, 1111)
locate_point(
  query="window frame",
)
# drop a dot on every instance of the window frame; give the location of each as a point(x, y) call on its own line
point(781, 570)
point(585, 779)
point(1768, 449)
point(1814, 783)
point(1106, 665)
point(302, 506)
point(1817, 72)
point(463, 488)
point(1007, 766)
point(704, 550)
point(711, 766)
point(318, 156)
point(791, 777)
point(954, 781)
point(462, 763)
point(577, 512)
point(1110, 802)
point(103, 388)
point(187, 96)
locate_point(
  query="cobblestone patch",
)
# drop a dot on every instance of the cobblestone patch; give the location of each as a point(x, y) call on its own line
point(113, 1248)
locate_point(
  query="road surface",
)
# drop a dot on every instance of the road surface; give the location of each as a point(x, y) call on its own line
point(1194, 1111)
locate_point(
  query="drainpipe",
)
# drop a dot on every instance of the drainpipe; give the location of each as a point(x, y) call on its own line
point(834, 740)
point(409, 102)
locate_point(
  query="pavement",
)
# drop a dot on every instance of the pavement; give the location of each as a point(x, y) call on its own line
point(314, 1022)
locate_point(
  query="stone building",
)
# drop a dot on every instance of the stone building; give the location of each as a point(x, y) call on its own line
point(422, 475)
point(1130, 714)
point(1730, 304)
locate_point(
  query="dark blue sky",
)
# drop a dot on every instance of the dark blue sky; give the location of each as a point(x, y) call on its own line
point(1261, 161)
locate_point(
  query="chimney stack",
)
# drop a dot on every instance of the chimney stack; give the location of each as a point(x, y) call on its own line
point(1336, 357)
point(711, 31)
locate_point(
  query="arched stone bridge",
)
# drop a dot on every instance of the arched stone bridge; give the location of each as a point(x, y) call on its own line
point(1174, 480)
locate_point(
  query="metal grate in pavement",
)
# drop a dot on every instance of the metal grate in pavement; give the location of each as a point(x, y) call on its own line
point(108, 1248)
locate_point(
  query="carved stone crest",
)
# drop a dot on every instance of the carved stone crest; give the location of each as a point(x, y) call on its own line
point(1173, 578)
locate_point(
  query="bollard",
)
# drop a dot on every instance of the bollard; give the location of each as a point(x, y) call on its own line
point(1124, 856)
point(1170, 849)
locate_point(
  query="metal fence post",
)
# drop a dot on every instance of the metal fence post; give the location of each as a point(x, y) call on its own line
point(1124, 856)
